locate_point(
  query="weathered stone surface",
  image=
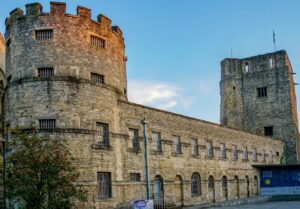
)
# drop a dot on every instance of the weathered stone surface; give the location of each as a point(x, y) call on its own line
point(2, 53)
point(241, 107)
point(77, 104)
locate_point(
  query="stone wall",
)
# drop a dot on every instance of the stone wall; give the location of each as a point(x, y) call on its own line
point(242, 108)
point(2, 53)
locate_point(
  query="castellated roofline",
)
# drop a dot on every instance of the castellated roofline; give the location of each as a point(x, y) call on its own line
point(59, 9)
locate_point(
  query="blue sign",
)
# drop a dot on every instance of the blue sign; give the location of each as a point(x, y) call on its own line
point(143, 204)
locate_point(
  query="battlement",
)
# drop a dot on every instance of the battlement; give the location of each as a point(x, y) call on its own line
point(59, 9)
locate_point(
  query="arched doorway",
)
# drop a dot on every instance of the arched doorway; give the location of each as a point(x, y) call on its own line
point(247, 186)
point(255, 185)
point(178, 191)
point(225, 187)
point(211, 189)
point(158, 191)
point(237, 186)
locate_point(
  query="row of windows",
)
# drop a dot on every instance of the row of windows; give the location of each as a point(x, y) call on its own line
point(105, 186)
point(103, 132)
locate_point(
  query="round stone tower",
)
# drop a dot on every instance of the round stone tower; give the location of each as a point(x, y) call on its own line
point(62, 67)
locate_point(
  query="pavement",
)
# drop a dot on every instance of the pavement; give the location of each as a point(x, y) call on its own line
point(266, 205)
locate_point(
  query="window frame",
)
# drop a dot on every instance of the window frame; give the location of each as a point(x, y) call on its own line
point(177, 144)
point(105, 140)
point(210, 149)
point(262, 92)
point(269, 131)
point(158, 142)
point(45, 72)
point(107, 187)
point(135, 140)
point(196, 184)
point(47, 124)
point(97, 78)
point(195, 147)
point(223, 150)
point(98, 42)
point(135, 177)
point(45, 36)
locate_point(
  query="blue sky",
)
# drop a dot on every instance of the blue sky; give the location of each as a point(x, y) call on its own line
point(175, 46)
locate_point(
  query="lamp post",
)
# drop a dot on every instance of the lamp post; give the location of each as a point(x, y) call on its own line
point(144, 122)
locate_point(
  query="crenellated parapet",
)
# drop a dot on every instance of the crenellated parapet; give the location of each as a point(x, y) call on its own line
point(58, 9)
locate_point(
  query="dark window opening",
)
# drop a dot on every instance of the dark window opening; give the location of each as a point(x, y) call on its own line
point(8, 79)
point(196, 184)
point(135, 177)
point(268, 131)
point(97, 78)
point(8, 43)
point(277, 154)
point(104, 185)
point(103, 131)
point(125, 91)
point(47, 124)
point(262, 92)
point(233, 88)
point(134, 136)
point(44, 34)
point(45, 72)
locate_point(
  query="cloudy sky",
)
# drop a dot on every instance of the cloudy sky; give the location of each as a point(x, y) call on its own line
point(175, 47)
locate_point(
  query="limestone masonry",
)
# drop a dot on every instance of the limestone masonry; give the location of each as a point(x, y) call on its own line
point(66, 77)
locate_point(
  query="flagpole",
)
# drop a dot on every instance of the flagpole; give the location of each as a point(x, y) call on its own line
point(274, 40)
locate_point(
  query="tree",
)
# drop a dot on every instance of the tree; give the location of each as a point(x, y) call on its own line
point(40, 172)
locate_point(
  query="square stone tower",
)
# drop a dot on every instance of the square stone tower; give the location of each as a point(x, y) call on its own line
point(258, 96)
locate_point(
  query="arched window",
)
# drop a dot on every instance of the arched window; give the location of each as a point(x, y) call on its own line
point(196, 184)
point(211, 182)
point(224, 182)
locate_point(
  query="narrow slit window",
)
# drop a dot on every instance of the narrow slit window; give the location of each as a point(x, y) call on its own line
point(99, 42)
point(47, 124)
point(44, 34)
point(45, 72)
point(223, 150)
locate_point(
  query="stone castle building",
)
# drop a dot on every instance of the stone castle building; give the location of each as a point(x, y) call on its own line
point(66, 77)
point(258, 96)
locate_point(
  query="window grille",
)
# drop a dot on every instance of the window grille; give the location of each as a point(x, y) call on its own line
point(254, 154)
point(177, 144)
point(157, 141)
point(195, 150)
point(223, 150)
point(235, 155)
point(210, 150)
point(262, 92)
point(45, 72)
point(104, 184)
point(196, 184)
point(263, 155)
point(103, 131)
point(44, 34)
point(97, 78)
point(245, 153)
point(47, 124)
point(134, 136)
point(268, 131)
point(135, 177)
point(99, 42)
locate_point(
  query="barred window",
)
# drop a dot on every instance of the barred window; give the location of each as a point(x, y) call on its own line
point(47, 124)
point(134, 136)
point(135, 177)
point(97, 78)
point(104, 185)
point(103, 131)
point(177, 144)
point(195, 150)
point(254, 154)
point(210, 149)
point(262, 92)
point(45, 72)
point(245, 153)
point(235, 155)
point(99, 42)
point(157, 141)
point(271, 156)
point(196, 184)
point(223, 150)
point(44, 34)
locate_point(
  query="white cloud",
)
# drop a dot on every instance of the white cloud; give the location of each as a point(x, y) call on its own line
point(157, 94)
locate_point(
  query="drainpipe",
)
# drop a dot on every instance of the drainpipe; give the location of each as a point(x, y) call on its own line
point(144, 122)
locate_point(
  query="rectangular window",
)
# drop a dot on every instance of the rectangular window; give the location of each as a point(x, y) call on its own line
point(134, 136)
point(104, 184)
point(195, 150)
point(268, 131)
point(103, 131)
point(262, 92)
point(45, 72)
point(99, 42)
point(43, 34)
point(235, 154)
point(271, 156)
point(47, 124)
point(97, 78)
point(157, 141)
point(254, 154)
point(263, 155)
point(223, 150)
point(177, 144)
point(210, 150)
point(135, 177)
point(245, 157)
